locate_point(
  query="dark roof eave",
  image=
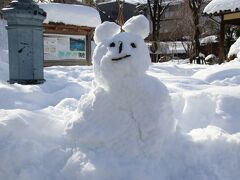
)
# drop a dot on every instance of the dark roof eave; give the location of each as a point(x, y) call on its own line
point(220, 13)
point(112, 2)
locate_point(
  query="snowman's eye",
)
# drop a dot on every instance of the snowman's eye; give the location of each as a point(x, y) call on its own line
point(133, 45)
point(112, 44)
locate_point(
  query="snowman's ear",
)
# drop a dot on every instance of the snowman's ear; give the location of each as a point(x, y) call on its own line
point(105, 31)
point(138, 25)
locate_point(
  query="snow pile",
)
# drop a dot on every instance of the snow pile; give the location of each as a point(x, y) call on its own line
point(216, 6)
point(217, 103)
point(121, 84)
point(234, 50)
point(220, 73)
point(211, 59)
point(210, 56)
point(71, 14)
point(33, 145)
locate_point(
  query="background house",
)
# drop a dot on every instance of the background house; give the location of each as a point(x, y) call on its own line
point(177, 26)
point(176, 22)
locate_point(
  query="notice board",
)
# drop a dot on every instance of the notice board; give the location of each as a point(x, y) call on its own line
point(64, 47)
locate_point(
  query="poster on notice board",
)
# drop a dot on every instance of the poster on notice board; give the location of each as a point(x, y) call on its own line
point(64, 47)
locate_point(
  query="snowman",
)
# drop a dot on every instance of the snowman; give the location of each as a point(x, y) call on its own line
point(127, 110)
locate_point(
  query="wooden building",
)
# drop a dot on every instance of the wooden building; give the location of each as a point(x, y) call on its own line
point(68, 32)
point(229, 13)
point(177, 24)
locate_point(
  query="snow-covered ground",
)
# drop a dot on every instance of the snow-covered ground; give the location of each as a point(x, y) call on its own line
point(205, 99)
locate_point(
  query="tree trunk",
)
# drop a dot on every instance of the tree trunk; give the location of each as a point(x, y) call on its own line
point(221, 50)
point(195, 6)
point(196, 34)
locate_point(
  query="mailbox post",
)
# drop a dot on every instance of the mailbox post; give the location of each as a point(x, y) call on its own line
point(25, 41)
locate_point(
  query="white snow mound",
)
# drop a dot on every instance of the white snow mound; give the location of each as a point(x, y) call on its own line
point(217, 73)
point(235, 49)
point(127, 110)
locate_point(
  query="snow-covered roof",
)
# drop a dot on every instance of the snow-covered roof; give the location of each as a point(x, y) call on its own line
point(172, 2)
point(114, 1)
point(173, 47)
point(78, 15)
point(177, 47)
point(218, 6)
point(209, 39)
point(210, 56)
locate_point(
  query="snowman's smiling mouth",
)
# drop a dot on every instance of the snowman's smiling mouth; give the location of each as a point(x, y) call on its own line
point(120, 58)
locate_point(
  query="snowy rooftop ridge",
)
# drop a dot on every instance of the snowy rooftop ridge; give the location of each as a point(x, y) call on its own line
point(209, 39)
point(135, 2)
point(70, 14)
point(219, 6)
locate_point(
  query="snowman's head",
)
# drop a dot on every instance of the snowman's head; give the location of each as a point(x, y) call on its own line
point(121, 54)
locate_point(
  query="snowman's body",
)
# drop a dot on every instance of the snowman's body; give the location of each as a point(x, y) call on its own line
point(127, 110)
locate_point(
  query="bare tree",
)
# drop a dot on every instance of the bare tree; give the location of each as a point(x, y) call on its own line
point(156, 9)
point(187, 28)
point(196, 7)
point(193, 25)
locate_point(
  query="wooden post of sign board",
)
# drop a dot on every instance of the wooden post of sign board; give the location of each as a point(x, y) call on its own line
point(89, 38)
point(88, 49)
point(222, 34)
